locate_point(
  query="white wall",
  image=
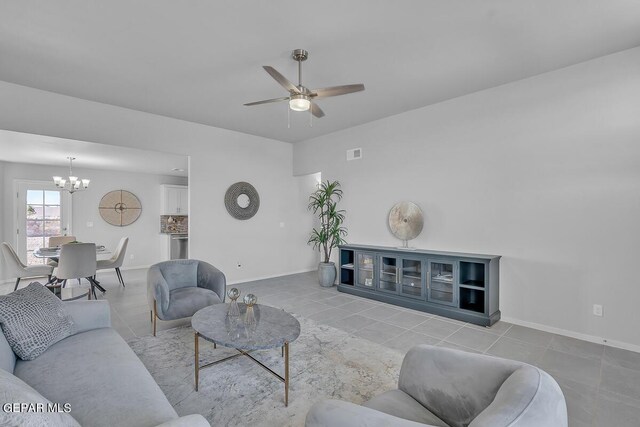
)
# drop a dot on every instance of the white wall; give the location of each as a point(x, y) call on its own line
point(544, 171)
point(270, 243)
point(218, 158)
point(144, 235)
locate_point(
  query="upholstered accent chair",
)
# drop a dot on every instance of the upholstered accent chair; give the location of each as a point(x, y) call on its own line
point(55, 241)
point(178, 288)
point(78, 261)
point(451, 388)
point(116, 260)
point(19, 270)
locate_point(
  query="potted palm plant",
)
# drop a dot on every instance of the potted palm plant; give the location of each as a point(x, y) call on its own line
point(330, 233)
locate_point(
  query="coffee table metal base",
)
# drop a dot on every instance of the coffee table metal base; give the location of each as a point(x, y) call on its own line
point(285, 355)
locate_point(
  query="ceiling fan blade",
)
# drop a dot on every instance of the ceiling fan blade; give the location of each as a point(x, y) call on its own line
point(316, 111)
point(336, 90)
point(267, 101)
point(281, 79)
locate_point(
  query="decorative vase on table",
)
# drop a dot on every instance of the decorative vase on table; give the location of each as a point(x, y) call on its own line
point(250, 318)
point(326, 274)
point(233, 294)
point(330, 233)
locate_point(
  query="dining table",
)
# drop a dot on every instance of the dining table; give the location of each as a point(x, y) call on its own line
point(54, 254)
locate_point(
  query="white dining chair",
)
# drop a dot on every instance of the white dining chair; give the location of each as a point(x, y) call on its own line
point(116, 260)
point(19, 270)
point(78, 261)
point(56, 241)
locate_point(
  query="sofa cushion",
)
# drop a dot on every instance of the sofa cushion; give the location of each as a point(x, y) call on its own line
point(186, 301)
point(33, 319)
point(101, 377)
point(14, 390)
point(7, 356)
point(400, 404)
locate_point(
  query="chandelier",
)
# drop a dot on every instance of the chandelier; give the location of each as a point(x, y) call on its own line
point(74, 183)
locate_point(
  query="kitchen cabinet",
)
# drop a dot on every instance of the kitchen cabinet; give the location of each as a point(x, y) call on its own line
point(175, 200)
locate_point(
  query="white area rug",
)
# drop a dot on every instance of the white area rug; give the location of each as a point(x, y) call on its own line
point(324, 363)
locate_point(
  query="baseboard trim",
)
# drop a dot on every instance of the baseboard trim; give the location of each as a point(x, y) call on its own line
point(99, 273)
point(237, 282)
point(113, 270)
point(24, 281)
point(233, 282)
point(572, 334)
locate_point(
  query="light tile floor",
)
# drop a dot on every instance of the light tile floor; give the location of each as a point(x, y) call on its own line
point(601, 384)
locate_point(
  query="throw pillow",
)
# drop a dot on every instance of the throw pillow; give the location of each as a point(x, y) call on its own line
point(32, 320)
point(32, 410)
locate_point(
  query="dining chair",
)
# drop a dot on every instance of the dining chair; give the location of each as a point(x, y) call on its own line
point(55, 241)
point(116, 260)
point(19, 270)
point(78, 261)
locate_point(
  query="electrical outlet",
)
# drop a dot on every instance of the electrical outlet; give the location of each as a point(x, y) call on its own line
point(238, 264)
point(132, 256)
point(597, 310)
point(89, 224)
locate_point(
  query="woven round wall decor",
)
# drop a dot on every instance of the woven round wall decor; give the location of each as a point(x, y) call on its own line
point(242, 200)
point(120, 208)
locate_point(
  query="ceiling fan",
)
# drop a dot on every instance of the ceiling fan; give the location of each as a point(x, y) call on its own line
point(300, 98)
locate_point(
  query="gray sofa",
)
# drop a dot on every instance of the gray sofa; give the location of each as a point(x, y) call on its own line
point(98, 374)
point(450, 388)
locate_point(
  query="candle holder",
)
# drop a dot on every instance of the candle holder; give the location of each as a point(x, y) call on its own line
point(234, 310)
point(249, 318)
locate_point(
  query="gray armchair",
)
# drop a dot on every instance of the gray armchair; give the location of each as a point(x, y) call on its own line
point(451, 388)
point(179, 288)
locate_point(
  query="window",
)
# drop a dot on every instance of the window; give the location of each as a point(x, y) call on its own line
point(43, 219)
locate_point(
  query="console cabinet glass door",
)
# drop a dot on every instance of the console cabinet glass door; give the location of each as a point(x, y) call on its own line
point(388, 281)
point(441, 282)
point(412, 278)
point(365, 270)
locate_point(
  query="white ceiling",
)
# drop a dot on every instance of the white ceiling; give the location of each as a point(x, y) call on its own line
point(19, 147)
point(201, 60)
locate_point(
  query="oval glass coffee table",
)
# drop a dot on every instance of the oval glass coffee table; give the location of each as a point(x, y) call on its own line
point(258, 328)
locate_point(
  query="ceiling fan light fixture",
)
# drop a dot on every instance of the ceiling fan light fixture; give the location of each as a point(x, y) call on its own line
point(299, 96)
point(299, 103)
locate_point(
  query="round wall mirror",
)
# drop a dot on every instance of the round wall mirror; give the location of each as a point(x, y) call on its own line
point(242, 200)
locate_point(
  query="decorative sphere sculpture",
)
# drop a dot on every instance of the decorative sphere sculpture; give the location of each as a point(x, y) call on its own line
point(233, 293)
point(406, 222)
point(250, 300)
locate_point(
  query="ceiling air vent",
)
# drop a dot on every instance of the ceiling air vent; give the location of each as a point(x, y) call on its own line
point(354, 154)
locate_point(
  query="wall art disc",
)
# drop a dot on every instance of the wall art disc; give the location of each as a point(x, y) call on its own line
point(120, 208)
